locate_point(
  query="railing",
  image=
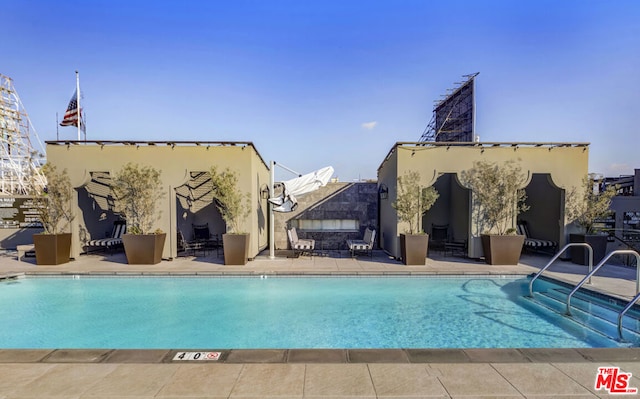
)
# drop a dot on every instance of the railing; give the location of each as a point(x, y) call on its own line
point(623, 241)
point(592, 271)
point(556, 256)
point(621, 315)
point(602, 263)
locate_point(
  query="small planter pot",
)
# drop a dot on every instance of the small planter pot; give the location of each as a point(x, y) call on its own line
point(413, 248)
point(502, 250)
point(143, 249)
point(236, 249)
point(580, 255)
point(52, 249)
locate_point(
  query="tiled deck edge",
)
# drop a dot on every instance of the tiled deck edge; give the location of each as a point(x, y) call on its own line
point(525, 355)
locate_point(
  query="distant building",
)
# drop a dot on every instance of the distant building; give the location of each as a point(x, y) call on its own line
point(624, 222)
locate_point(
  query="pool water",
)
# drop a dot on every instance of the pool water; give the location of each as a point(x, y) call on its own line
point(249, 313)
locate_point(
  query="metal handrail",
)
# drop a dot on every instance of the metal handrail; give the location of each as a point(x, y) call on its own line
point(556, 256)
point(621, 314)
point(627, 243)
point(602, 262)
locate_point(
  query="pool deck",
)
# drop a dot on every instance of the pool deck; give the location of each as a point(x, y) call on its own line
point(297, 373)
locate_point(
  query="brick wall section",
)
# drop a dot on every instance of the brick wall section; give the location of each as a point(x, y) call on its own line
point(334, 201)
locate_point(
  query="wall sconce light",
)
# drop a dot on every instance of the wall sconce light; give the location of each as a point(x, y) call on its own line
point(383, 191)
point(264, 192)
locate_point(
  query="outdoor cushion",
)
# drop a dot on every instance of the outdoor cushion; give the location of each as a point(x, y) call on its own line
point(119, 228)
point(523, 229)
point(298, 244)
point(366, 244)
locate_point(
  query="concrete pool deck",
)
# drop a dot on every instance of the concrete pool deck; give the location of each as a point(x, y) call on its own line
point(296, 373)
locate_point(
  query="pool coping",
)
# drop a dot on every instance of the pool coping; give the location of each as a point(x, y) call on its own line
point(254, 273)
point(333, 356)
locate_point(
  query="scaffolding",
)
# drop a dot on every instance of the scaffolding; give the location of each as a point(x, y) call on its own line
point(453, 117)
point(21, 152)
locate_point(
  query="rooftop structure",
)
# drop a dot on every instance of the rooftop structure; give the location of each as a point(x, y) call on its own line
point(626, 185)
point(21, 153)
point(552, 169)
point(454, 116)
point(184, 167)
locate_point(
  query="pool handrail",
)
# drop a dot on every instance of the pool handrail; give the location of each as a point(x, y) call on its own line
point(556, 256)
point(621, 314)
point(598, 266)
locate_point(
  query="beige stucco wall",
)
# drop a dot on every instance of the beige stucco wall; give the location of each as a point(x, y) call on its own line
point(565, 163)
point(175, 163)
point(389, 233)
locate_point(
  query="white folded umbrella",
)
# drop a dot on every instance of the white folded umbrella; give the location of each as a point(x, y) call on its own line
point(300, 186)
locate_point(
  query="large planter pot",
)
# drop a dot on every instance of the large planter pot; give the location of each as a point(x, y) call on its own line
point(143, 249)
point(52, 249)
point(236, 249)
point(413, 248)
point(502, 250)
point(580, 255)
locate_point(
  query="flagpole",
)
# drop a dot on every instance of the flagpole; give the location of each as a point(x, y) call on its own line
point(78, 99)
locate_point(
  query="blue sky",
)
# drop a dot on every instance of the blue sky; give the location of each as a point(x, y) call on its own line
point(316, 83)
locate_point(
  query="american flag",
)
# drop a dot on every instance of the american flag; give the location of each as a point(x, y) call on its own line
point(71, 116)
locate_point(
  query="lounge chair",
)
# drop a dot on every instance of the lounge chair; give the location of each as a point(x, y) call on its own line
point(364, 245)
point(534, 243)
point(439, 236)
point(201, 232)
point(440, 239)
point(202, 235)
point(298, 245)
point(109, 243)
point(193, 246)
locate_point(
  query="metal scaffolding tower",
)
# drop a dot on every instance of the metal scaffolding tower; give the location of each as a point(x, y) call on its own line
point(453, 117)
point(20, 161)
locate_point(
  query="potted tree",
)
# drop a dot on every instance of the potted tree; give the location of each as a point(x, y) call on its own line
point(137, 190)
point(412, 201)
point(498, 199)
point(53, 245)
point(234, 207)
point(584, 207)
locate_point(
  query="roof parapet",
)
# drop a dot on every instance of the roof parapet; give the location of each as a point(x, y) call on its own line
point(514, 145)
point(172, 143)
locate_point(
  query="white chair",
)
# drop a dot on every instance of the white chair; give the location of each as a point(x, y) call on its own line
point(298, 245)
point(364, 245)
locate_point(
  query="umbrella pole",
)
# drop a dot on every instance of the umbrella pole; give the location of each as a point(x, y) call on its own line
point(272, 253)
point(272, 183)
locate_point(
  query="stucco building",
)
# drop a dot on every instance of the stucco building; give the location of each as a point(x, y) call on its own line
point(187, 199)
point(551, 170)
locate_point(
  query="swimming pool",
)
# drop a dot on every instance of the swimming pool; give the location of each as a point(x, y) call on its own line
point(249, 313)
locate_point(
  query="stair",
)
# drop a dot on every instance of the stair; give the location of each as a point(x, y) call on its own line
point(597, 314)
